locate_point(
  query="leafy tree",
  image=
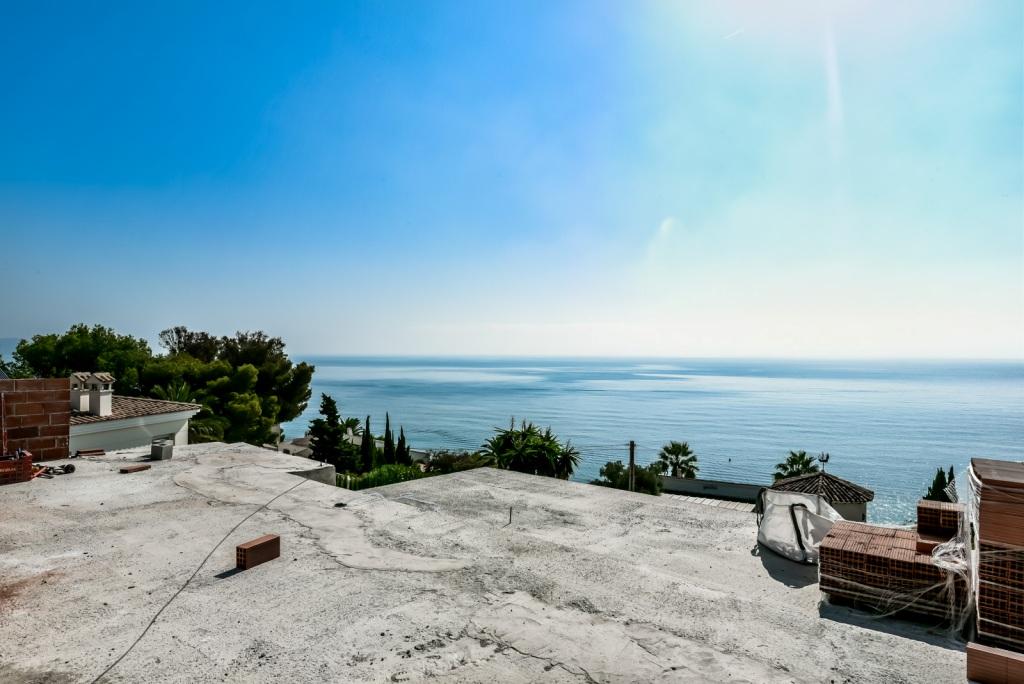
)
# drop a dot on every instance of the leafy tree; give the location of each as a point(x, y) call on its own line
point(277, 375)
point(233, 401)
point(797, 463)
point(14, 369)
point(198, 345)
point(368, 447)
point(83, 348)
point(389, 442)
point(528, 449)
point(678, 458)
point(646, 479)
point(246, 383)
point(937, 490)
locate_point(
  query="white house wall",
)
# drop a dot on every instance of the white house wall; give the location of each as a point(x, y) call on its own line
point(124, 434)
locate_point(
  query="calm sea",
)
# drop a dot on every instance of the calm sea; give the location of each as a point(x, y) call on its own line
point(887, 425)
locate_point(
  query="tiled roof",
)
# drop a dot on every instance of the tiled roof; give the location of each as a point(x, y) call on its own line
point(80, 376)
point(831, 488)
point(133, 407)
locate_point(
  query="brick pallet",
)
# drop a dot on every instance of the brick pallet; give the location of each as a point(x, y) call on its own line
point(880, 567)
point(1000, 598)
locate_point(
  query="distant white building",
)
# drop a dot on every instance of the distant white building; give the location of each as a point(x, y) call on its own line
point(101, 419)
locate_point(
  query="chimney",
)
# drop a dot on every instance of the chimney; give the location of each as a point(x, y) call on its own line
point(101, 392)
point(80, 392)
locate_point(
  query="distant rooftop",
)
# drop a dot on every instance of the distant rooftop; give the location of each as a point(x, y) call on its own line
point(133, 407)
point(826, 485)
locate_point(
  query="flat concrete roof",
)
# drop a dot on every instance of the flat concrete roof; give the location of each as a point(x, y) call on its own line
point(422, 580)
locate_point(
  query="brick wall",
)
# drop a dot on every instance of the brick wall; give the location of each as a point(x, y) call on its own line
point(38, 415)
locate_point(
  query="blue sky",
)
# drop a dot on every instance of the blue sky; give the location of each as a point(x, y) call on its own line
point(822, 179)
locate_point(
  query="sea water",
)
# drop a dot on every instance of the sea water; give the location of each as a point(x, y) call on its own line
point(886, 425)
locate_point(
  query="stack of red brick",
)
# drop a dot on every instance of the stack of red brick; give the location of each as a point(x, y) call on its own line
point(1000, 599)
point(14, 470)
point(37, 414)
point(884, 568)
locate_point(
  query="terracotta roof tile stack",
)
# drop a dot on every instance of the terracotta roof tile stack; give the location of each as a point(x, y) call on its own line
point(881, 567)
point(999, 487)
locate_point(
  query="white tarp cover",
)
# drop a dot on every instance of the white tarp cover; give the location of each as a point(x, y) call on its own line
point(813, 516)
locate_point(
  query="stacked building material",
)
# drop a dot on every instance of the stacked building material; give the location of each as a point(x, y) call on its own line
point(17, 469)
point(937, 522)
point(999, 490)
point(881, 568)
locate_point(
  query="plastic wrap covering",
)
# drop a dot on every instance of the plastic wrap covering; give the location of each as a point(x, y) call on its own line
point(996, 509)
point(793, 524)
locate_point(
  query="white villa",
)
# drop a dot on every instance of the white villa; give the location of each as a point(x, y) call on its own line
point(101, 419)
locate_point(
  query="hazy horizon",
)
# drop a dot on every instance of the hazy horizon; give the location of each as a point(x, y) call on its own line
point(591, 180)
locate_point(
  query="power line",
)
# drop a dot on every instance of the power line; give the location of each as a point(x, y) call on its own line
point(191, 577)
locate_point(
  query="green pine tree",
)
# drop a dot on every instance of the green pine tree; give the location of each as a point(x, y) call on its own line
point(325, 433)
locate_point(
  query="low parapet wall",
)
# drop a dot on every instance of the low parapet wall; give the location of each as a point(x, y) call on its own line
point(714, 489)
point(37, 413)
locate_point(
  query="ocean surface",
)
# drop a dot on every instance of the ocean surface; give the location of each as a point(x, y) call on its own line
point(886, 425)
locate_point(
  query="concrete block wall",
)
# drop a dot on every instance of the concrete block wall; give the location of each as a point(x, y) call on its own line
point(37, 413)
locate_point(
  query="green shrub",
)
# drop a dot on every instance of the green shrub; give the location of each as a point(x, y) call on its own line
point(443, 462)
point(616, 474)
point(380, 476)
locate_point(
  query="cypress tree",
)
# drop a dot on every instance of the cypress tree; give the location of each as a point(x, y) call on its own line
point(402, 450)
point(368, 447)
point(937, 491)
point(389, 441)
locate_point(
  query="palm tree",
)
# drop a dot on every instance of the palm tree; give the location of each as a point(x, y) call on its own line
point(679, 458)
point(527, 449)
point(175, 391)
point(797, 463)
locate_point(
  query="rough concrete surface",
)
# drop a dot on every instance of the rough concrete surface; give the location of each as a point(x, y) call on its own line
point(422, 580)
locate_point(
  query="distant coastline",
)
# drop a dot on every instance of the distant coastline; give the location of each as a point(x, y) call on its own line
point(887, 424)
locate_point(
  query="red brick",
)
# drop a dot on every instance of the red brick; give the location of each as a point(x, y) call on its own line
point(55, 407)
point(61, 418)
point(6, 385)
point(257, 551)
point(53, 430)
point(52, 453)
point(29, 385)
point(33, 421)
point(57, 384)
point(28, 408)
point(135, 468)
point(22, 433)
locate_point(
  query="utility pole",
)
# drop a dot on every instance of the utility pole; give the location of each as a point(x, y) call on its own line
point(632, 466)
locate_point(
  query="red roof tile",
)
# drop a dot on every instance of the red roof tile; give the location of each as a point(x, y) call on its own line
point(133, 407)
